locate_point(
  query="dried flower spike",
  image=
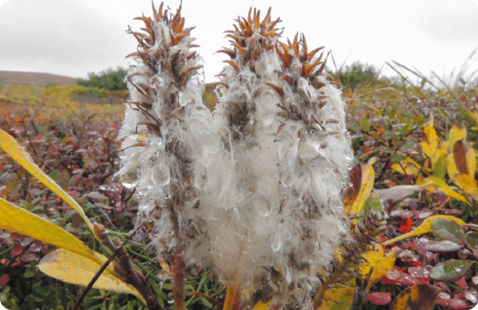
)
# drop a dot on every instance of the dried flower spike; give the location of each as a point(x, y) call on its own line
point(288, 156)
point(168, 140)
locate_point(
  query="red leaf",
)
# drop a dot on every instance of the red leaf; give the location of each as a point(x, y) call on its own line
point(17, 251)
point(413, 262)
point(16, 262)
point(454, 304)
point(4, 280)
point(35, 192)
point(418, 272)
point(28, 257)
point(97, 196)
point(442, 285)
point(406, 225)
point(74, 194)
point(380, 298)
point(462, 283)
point(398, 277)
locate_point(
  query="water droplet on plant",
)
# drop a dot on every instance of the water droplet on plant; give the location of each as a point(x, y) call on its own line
point(276, 243)
point(200, 180)
point(130, 179)
point(160, 174)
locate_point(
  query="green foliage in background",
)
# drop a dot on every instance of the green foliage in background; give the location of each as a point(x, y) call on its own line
point(108, 79)
point(359, 75)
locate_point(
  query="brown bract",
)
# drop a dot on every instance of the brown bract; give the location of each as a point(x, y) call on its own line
point(163, 58)
point(250, 37)
point(297, 62)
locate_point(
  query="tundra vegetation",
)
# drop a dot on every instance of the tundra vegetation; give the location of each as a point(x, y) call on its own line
point(306, 188)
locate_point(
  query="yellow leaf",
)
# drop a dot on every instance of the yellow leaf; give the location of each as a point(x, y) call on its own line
point(423, 228)
point(457, 133)
point(471, 162)
point(443, 187)
point(417, 297)
point(11, 147)
point(430, 146)
point(442, 149)
point(19, 220)
point(411, 167)
point(262, 306)
point(464, 158)
point(437, 182)
point(452, 194)
point(76, 269)
point(338, 299)
point(465, 182)
point(368, 178)
point(380, 262)
point(473, 193)
point(352, 192)
point(451, 167)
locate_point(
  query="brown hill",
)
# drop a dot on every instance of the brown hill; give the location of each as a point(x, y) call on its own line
point(33, 78)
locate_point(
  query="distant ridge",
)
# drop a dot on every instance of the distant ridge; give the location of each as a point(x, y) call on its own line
point(33, 78)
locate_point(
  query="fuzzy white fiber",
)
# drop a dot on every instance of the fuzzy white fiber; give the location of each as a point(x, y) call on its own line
point(253, 191)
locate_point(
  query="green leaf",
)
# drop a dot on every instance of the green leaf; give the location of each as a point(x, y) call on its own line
point(445, 229)
point(407, 146)
point(29, 273)
point(355, 127)
point(450, 271)
point(365, 124)
point(373, 202)
point(439, 170)
point(55, 175)
point(396, 158)
point(472, 239)
point(388, 135)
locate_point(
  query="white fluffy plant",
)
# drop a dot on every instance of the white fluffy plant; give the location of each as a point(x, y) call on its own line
point(288, 157)
point(253, 192)
point(168, 139)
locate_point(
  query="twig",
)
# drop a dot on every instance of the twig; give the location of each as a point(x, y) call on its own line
point(99, 272)
point(361, 292)
point(132, 277)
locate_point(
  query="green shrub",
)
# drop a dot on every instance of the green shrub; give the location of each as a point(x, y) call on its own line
point(108, 79)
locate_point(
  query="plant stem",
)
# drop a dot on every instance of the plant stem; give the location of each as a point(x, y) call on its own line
point(335, 276)
point(230, 294)
point(178, 283)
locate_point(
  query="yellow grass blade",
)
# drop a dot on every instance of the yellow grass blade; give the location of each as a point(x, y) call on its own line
point(76, 269)
point(424, 228)
point(16, 219)
point(11, 147)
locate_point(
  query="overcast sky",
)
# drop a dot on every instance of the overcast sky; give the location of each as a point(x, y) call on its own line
point(73, 37)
